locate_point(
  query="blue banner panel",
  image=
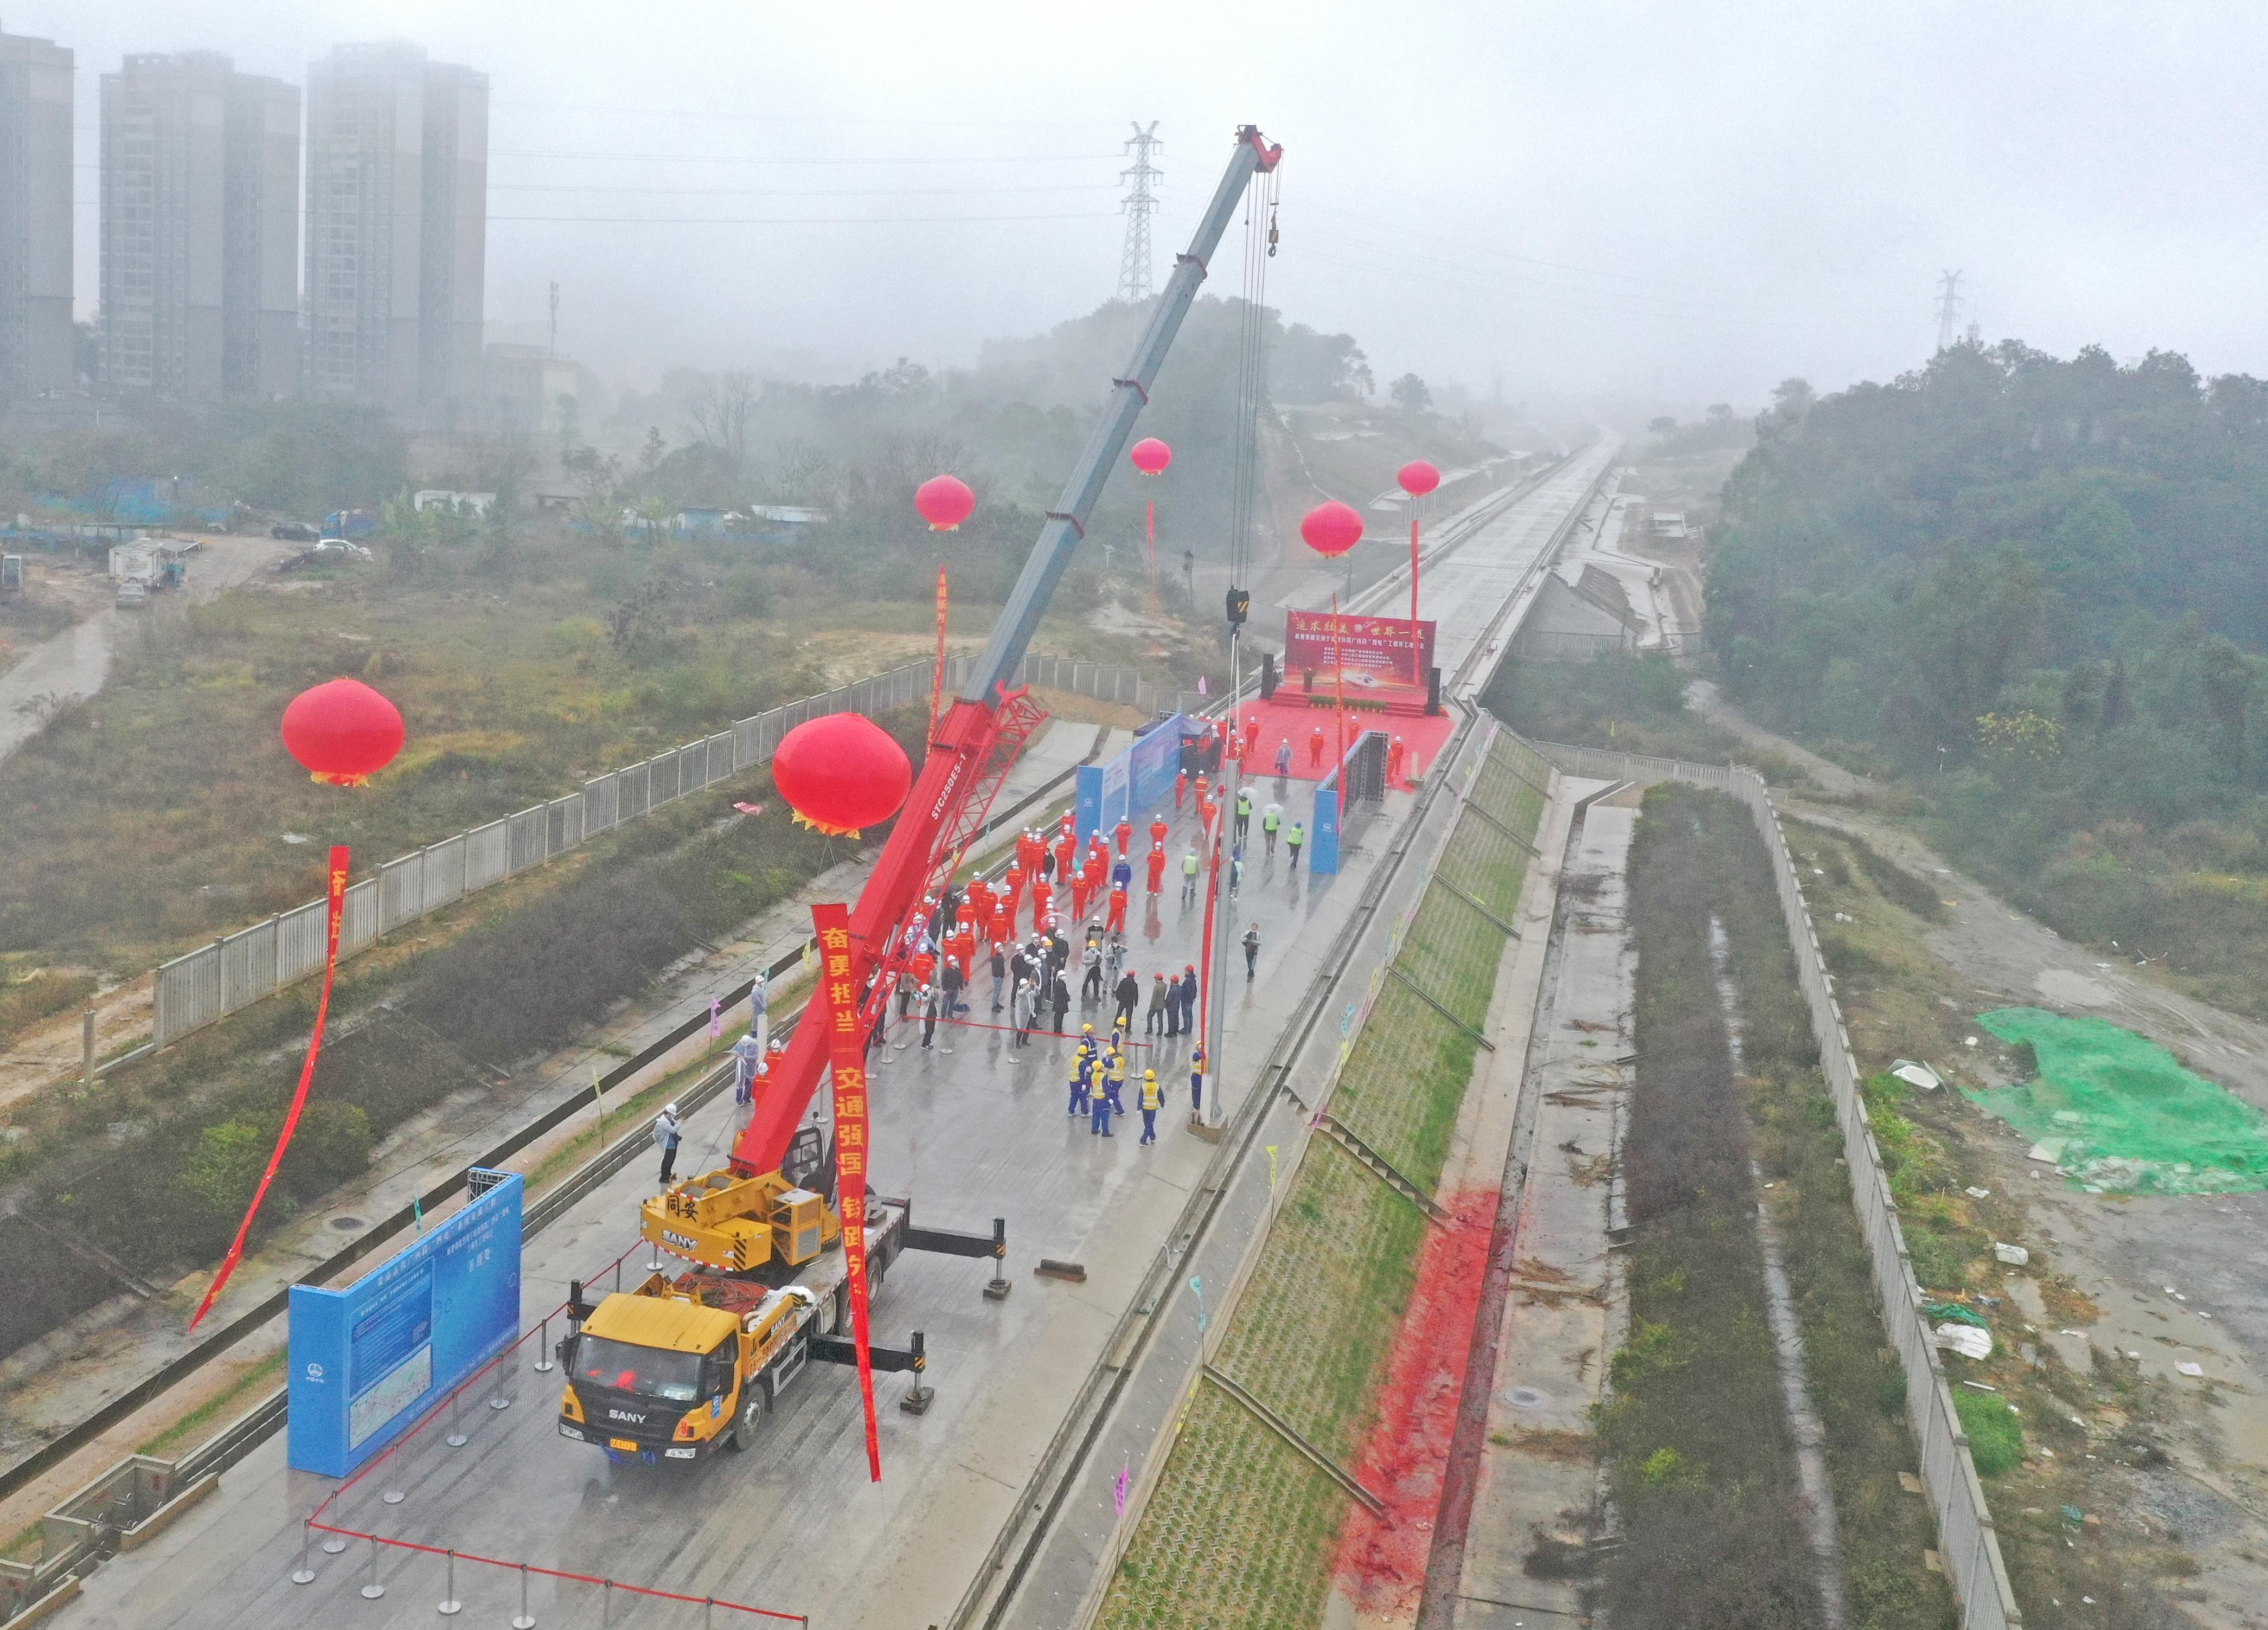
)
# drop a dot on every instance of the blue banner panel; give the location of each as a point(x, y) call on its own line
point(1151, 763)
point(368, 1360)
point(1132, 785)
point(1086, 802)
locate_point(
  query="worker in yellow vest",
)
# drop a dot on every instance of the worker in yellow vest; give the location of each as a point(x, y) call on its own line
point(1152, 1098)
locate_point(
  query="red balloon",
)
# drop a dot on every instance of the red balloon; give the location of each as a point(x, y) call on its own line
point(1332, 528)
point(1419, 478)
point(343, 731)
point(944, 501)
point(841, 773)
point(1150, 456)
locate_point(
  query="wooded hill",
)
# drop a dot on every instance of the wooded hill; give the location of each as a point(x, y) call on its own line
point(2042, 585)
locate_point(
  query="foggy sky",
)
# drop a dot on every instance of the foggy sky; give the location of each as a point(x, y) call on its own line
point(1674, 202)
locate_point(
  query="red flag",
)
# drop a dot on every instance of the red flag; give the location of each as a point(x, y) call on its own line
point(838, 992)
point(333, 908)
point(937, 685)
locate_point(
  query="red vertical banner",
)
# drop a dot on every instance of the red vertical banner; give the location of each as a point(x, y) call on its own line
point(1413, 564)
point(937, 685)
point(1338, 668)
point(334, 910)
point(1150, 531)
point(838, 994)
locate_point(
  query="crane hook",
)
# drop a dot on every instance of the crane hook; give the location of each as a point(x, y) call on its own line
point(1272, 234)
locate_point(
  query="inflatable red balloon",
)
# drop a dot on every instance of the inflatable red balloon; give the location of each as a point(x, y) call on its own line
point(841, 773)
point(1150, 456)
point(944, 501)
point(1419, 478)
point(343, 731)
point(1332, 528)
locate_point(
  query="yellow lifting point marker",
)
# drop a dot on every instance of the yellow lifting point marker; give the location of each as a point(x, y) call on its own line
point(1271, 1168)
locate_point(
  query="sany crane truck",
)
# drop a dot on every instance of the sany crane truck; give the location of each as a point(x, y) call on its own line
point(677, 1367)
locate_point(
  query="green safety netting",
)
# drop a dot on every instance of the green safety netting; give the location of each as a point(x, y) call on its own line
point(2117, 1113)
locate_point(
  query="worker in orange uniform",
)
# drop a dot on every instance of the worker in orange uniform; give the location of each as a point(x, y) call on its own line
point(1201, 788)
point(1082, 888)
point(1116, 922)
point(1158, 869)
point(1251, 736)
point(1181, 789)
point(1066, 853)
point(1158, 830)
point(1395, 754)
point(1043, 895)
point(1315, 749)
point(1124, 834)
point(1000, 927)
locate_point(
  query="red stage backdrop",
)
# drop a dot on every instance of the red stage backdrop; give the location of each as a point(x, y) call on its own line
point(1387, 658)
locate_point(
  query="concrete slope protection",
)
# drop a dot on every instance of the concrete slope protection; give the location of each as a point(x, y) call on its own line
point(970, 1127)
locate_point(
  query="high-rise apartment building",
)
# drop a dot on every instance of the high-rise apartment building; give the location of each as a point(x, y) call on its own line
point(35, 215)
point(397, 232)
point(200, 229)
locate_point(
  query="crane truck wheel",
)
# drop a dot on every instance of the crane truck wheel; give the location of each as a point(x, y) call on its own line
point(749, 1425)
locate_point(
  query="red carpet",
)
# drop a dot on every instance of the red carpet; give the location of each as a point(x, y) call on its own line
point(1288, 718)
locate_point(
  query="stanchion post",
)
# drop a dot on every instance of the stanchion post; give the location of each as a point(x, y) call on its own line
point(449, 1607)
point(527, 1620)
point(304, 1575)
point(371, 1591)
point(332, 1544)
point(455, 1438)
point(543, 1364)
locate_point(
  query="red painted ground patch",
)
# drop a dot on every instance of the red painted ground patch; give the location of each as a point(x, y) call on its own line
point(1381, 1564)
point(1288, 718)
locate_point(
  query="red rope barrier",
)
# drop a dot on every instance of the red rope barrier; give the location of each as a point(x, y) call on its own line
point(557, 1573)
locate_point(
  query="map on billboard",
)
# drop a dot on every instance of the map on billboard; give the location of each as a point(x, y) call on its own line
point(1380, 660)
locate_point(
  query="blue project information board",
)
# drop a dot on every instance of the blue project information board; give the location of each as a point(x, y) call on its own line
point(1132, 785)
point(368, 1360)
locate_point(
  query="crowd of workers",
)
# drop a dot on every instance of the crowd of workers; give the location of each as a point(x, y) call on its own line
point(979, 925)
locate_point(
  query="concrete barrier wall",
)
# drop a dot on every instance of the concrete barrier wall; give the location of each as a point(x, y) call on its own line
point(205, 985)
point(1966, 1539)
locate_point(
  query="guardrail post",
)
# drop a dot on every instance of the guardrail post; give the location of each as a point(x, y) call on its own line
point(543, 1364)
point(449, 1607)
point(525, 1620)
point(304, 1574)
point(371, 1591)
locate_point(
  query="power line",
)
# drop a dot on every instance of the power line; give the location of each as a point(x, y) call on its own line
point(798, 220)
point(804, 192)
point(530, 152)
point(1139, 202)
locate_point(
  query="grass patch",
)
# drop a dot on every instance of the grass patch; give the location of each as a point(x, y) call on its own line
point(39, 994)
point(194, 1427)
point(1995, 1433)
point(1857, 1386)
point(1694, 1438)
point(1240, 1530)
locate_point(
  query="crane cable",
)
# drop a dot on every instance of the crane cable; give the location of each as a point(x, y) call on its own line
point(1259, 247)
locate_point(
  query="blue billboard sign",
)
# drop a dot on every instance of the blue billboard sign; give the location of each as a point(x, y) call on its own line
point(1131, 785)
point(368, 1360)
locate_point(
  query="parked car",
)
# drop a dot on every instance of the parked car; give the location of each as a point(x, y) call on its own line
point(294, 532)
point(133, 593)
point(343, 548)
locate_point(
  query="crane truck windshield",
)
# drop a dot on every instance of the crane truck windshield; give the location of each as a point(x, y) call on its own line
point(652, 1371)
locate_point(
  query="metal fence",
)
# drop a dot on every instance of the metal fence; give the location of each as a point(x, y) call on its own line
point(1964, 1523)
point(205, 985)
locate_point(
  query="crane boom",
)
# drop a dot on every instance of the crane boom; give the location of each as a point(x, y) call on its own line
point(969, 748)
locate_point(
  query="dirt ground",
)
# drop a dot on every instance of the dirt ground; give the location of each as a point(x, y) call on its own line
point(2171, 1279)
